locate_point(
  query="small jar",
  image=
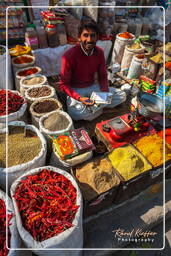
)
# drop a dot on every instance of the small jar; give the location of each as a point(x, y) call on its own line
point(61, 34)
point(52, 35)
point(31, 38)
point(42, 37)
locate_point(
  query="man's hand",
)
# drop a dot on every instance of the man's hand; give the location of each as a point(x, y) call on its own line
point(86, 101)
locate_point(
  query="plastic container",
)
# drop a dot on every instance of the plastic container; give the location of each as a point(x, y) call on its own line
point(61, 34)
point(52, 35)
point(42, 37)
point(31, 38)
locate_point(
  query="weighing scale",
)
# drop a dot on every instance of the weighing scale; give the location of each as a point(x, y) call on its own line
point(122, 130)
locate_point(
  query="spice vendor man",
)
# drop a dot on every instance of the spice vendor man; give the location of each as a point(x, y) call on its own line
point(80, 65)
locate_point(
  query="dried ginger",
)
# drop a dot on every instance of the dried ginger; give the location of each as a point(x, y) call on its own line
point(128, 162)
point(152, 148)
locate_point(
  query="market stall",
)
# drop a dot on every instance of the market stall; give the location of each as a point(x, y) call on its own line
point(61, 171)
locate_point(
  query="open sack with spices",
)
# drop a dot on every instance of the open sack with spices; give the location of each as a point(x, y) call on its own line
point(13, 236)
point(26, 150)
point(17, 106)
point(71, 148)
point(48, 208)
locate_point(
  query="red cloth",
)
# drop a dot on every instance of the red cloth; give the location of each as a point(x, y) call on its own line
point(78, 70)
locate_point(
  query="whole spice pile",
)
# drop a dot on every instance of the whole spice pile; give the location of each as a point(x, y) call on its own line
point(28, 72)
point(3, 223)
point(152, 148)
point(128, 162)
point(96, 177)
point(23, 60)
point(21, 148)
point(15, 102)
point(134, 46)
point(45, 106)
point(39, 92)
point(56, 122)
point(33, 80)
point(47, 204)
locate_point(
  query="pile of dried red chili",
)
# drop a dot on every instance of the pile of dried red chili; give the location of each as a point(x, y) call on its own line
point(28, 72)
point(23, 60)
point(3, 223)
point(47, 204)
point(15, 101)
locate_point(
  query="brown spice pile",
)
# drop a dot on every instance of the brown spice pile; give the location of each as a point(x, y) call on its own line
point(45, 106)
point(56, 122)
point(96, 177)
point(39, 92)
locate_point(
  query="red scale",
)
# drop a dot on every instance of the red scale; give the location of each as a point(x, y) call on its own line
point(120, 130)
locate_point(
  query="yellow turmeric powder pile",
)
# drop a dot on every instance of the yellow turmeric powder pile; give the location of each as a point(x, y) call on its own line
point(152, 148)
point(128, 162)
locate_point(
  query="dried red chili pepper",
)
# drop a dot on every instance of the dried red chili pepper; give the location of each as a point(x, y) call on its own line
point(23, 60)
point(47, 204)
point(15, 102)
point(28, 72)
point(3, 224)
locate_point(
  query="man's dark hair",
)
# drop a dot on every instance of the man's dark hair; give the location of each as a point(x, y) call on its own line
point(88, 24)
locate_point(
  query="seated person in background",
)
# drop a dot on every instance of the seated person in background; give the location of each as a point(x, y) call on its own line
point(80, 64)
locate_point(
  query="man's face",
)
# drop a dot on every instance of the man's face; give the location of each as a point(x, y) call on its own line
point(88, 38)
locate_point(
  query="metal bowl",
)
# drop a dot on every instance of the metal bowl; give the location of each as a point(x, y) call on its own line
point(149, 104)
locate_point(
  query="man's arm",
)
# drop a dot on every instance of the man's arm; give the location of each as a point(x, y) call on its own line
point(102, 74)
point(65, 79)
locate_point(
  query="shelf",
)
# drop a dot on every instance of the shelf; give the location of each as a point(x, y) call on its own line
point(13, 41)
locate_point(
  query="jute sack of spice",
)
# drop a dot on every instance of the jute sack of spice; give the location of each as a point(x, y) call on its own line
point(57, 223)
point(55, 159)
point(17, 106)
point(14, 240)
point(23, 61)
point(55, 123)
point(27, 149)
point(41, 107)
point(29, 81)
point(38, 92)
point(24, 72)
